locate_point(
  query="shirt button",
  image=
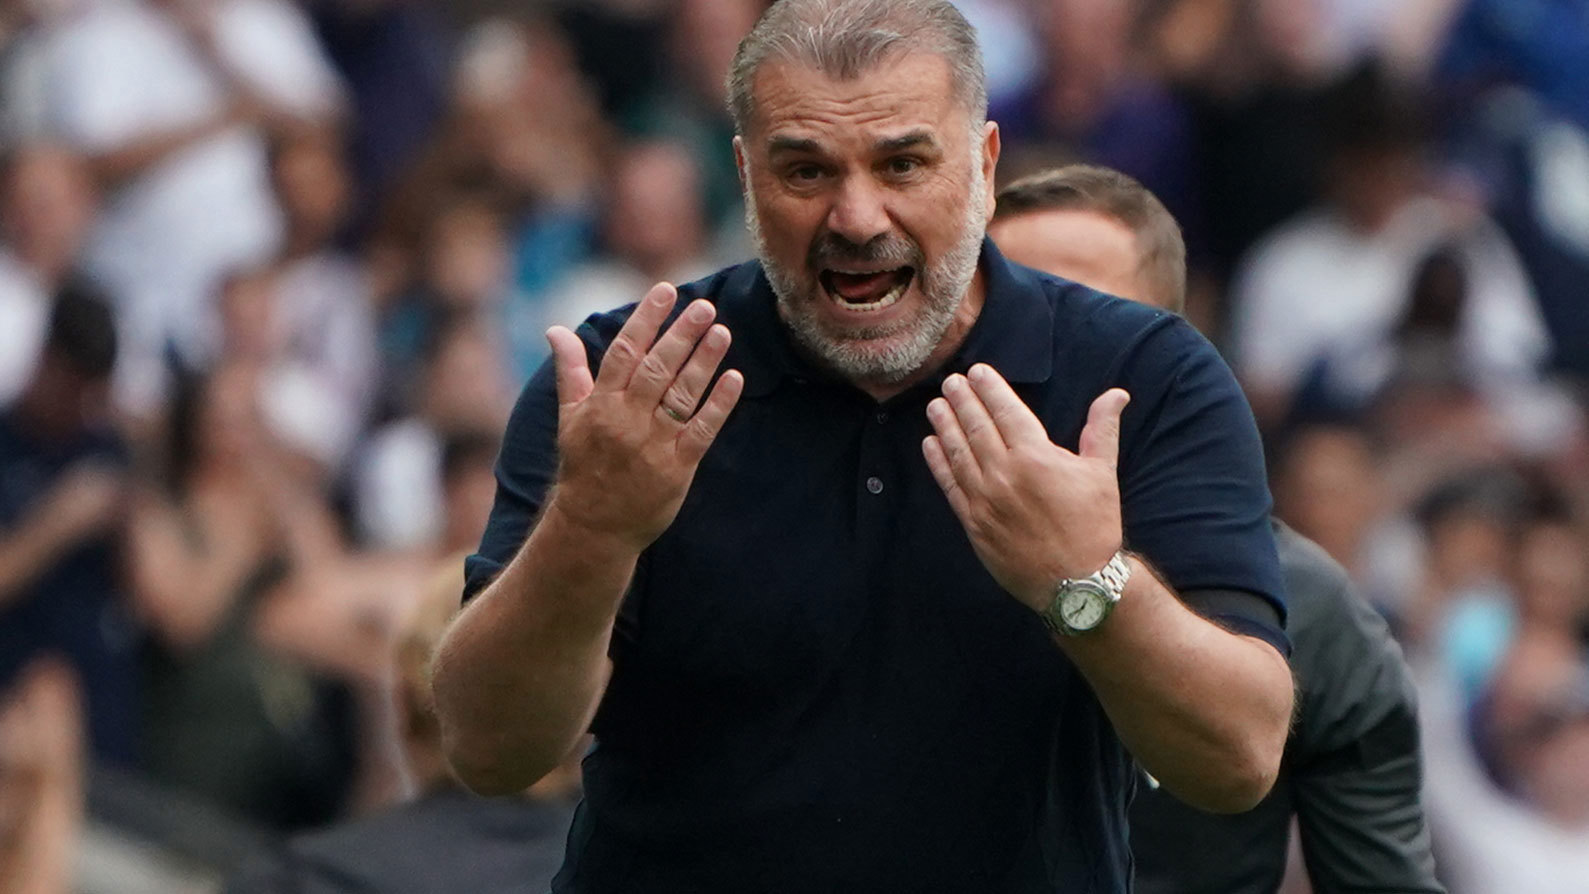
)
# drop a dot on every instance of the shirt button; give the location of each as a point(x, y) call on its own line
point(882, 417)
point(874, 484)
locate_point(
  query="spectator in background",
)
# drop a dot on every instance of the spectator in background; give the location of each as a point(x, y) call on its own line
point(394, 57)
point(398, 498)
point(1351, 777)
point(1341, 272)
point(446, 839)
point(689, 104)
point(654, 230)
point(1461, 614)
point(465, 272)
point(1327, 484)
point(47, 204)
point(169, 100)
point(1096, 103)
point(324, 319)
point(525, 134)
point(62, 488)
point(248, 703)
point(1533, 834)
point(41, 779)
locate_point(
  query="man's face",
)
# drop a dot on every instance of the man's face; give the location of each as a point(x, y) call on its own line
point(867, 200)
point(1083, 246)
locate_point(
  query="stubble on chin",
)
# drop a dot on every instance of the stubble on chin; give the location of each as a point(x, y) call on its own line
point(883, 355)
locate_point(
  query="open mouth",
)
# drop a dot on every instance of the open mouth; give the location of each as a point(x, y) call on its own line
point(866, 290)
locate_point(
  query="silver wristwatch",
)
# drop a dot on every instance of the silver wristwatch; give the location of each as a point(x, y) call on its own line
point(1081, 604)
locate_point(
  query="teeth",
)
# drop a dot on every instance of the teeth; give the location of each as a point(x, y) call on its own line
point(887, 299)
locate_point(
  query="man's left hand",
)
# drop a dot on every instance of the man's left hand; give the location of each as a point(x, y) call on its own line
point(1036, 513)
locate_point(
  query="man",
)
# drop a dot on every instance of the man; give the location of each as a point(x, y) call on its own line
point(62, 484)
point(875, 631)
point(1351, 774)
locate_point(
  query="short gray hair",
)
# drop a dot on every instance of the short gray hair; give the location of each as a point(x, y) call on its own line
point(844, 38)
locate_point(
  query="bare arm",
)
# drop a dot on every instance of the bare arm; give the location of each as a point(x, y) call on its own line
point(115, 167)
point(1204, 710)
point(81, 505)
point(183, 588)
point(519, 674)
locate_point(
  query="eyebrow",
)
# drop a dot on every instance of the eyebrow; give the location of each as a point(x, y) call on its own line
point(804, 145)
point(912, 140)
point(792, 144)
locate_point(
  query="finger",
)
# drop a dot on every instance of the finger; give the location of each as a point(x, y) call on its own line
point(980, 432)
point(684, 395)
point(1015, 421)
point(703, 428)
point(1100, 438)
point(938, 464)
point(662, 363)
point(962, 462)
point(574, 383)
point(635, 338)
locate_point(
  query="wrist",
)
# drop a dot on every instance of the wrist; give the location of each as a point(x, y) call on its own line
point(567, 523)
point(1079, 605)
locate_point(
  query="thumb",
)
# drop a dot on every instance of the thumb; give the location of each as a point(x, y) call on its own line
point(1100, 439)
point(574, 381)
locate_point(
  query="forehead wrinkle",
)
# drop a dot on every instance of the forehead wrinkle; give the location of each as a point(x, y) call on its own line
point(788, 92)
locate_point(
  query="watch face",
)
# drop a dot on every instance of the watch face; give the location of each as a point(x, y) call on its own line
point(1084, 606)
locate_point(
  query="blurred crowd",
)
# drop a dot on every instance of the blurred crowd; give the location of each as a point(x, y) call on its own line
point(273, 271)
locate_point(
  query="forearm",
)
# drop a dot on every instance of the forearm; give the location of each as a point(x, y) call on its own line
point(1206, 711)
point(114, 168)
point(24, 554)
point(520, 672)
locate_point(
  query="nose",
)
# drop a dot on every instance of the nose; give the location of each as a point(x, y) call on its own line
point(859, 212)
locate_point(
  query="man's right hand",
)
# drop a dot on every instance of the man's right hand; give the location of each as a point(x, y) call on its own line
point(631, 438)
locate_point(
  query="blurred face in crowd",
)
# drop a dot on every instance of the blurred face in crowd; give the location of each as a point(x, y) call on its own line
point(466, 385)
point(1087, 247)
point(48, 207)
point(867, 199)
point(1553, 576)
point(467, 257)
point(1536, 722)
point(655, 221)
point(1326, 487)
point(313, 189)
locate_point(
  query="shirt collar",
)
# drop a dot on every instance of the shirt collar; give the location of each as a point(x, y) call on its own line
point(1013, 333)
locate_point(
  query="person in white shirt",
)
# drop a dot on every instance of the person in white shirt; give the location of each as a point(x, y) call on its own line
point(170, 101)
point(47, 204)
point(1337, 278)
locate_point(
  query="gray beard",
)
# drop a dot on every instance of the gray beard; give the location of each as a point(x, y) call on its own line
point(910, 342)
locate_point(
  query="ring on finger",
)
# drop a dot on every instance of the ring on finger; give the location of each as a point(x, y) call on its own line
point(675, 415)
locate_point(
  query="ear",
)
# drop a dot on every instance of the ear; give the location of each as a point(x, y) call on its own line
point(991, 146)
point(739, 160)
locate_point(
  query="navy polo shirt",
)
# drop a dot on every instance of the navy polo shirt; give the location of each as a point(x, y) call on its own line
point(816, 684)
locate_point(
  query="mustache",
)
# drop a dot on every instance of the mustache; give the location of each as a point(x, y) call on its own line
point(830, 250)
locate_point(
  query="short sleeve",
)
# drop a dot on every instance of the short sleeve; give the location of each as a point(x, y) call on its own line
point(1194, 496)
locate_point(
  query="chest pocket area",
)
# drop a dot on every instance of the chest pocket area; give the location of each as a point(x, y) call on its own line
point(755, 587)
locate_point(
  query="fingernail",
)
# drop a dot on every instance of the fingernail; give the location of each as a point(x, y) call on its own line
point(953, 383)
point(980, 371)
point(700, 312)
